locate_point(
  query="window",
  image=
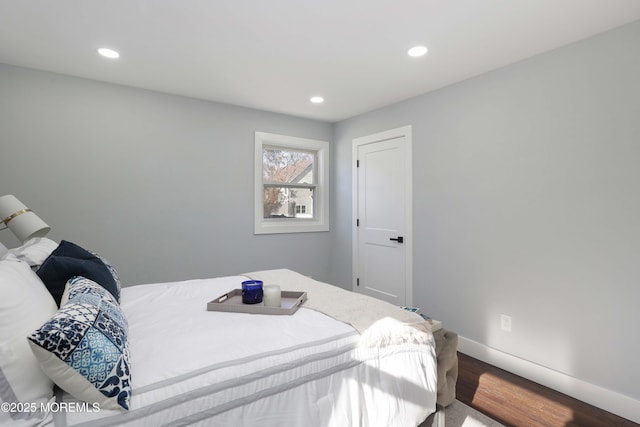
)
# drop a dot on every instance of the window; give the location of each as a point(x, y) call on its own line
point(291, 184)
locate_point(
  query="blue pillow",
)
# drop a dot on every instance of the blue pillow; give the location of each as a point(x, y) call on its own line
point(69, 260)
point(83, 348)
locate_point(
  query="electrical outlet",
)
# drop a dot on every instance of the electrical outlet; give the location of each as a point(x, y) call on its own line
point(505, 323)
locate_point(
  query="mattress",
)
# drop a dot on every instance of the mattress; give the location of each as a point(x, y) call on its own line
point(194, 367)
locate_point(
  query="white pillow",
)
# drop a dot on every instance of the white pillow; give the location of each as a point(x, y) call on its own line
point(25, 304)
point(33, 251)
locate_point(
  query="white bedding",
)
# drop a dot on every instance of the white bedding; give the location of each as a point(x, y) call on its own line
point(190, 366)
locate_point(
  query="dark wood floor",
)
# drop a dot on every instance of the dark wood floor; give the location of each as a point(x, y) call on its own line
point(515, 401)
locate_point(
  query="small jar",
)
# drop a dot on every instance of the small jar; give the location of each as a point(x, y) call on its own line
point(252, 291)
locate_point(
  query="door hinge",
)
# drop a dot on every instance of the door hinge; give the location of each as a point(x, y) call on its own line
point(357, 163)
point(358, 281)
point(358, 222)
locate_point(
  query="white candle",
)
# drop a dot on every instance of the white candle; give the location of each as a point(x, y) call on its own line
point(271, 296)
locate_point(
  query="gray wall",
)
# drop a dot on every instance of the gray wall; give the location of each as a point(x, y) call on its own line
point(527, 203)
point(160, 185)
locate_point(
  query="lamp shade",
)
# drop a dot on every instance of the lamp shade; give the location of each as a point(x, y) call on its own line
point(20, 219)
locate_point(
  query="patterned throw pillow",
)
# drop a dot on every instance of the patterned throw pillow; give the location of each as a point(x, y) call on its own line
point(114, 274)
point(83, 348)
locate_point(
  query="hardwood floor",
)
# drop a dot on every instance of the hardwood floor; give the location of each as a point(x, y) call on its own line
point(515, 401)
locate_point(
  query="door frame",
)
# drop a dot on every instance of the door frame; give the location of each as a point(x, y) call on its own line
point(406, 132)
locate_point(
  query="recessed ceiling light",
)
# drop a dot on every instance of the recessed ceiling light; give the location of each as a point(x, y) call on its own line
point(417, 51)
point(108, 53)
point(317, 100)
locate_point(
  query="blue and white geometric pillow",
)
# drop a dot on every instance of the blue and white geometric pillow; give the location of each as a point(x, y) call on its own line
point(83, 348)
point(114, 273)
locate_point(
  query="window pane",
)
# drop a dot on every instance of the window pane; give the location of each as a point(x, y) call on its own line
point(284, 202)
point(287, 166)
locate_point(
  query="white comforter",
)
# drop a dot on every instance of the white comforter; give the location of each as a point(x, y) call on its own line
point(195, 367)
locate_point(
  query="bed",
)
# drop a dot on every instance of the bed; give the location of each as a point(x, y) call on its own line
point(342, 359)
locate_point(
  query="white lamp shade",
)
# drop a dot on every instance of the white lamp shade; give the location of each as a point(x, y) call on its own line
point(20, 220)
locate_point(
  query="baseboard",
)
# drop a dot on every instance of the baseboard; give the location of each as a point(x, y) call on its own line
point(602, 398)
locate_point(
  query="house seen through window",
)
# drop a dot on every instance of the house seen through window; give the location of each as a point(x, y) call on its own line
point(289, 182)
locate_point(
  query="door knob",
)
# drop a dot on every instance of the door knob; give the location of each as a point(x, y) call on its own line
point(398, 239)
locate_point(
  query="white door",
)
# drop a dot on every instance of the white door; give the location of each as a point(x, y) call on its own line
point(382, 207)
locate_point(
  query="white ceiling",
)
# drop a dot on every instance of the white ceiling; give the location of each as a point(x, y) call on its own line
point(275, 54)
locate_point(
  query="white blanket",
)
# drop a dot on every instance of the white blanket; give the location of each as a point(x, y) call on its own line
point(379, 322)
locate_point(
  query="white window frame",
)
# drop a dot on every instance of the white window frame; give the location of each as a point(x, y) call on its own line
point(321, 194)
